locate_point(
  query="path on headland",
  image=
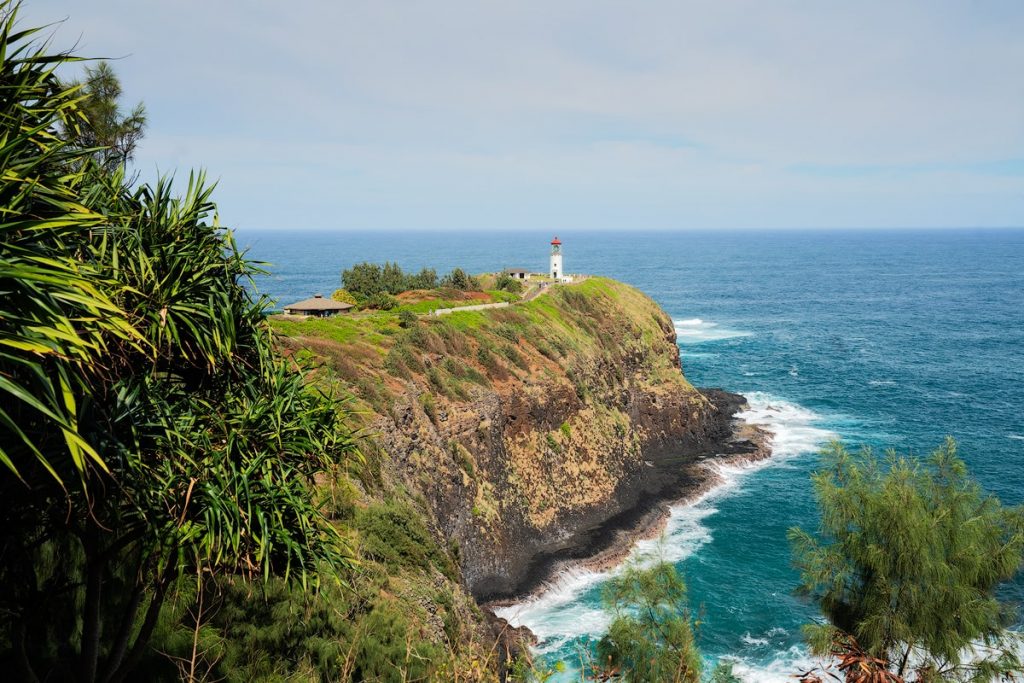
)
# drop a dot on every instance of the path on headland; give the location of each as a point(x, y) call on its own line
point(541, 288)
point(474, 307)
point(532, 293)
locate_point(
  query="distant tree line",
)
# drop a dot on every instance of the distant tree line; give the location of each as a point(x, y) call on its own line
point(372, 282)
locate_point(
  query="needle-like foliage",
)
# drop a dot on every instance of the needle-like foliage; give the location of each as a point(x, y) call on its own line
point(651, 637)
point(907, 559)
point(110, 135)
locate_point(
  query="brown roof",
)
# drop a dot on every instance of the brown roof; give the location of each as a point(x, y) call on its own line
point(318, 303)
point(516, 270)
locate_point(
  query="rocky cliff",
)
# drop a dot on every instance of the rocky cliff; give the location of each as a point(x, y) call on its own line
point(527, 434)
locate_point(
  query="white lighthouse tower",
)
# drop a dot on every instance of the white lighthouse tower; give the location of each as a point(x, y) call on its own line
point(556, 260)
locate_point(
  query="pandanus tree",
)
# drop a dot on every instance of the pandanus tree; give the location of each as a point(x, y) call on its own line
point(148, 428)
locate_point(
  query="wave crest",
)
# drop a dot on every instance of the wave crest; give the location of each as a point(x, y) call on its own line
point(697, 331)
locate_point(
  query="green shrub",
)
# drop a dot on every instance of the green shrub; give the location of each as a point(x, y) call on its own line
point(474, 376)
point(344, 296)
point(394, 534)
point(462, 457)
point(651, 637)
point(515, 357)
point(508, 332)
point(723, 673)
point(407, 318)
point(508, 283)
point(418, 337)
point(485, 356)
point(435, 380)
point(559, 346)
point(382, 301)
point(907, 558)
point(553, 443)
point(389, 649)
point(394, 362)
point(460, 280)
point(426, 401)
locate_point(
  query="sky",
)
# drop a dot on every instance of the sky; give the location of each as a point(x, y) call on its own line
point(580, 114)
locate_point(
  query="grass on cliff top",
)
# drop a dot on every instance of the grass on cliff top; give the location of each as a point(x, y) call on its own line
point(597, 320)
point(373, 327)
point(342, 329)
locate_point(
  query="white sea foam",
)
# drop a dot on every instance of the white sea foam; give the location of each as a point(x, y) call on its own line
point(559, 614)
point(1015, 437)
point(882, 382)
point(793, 428)
point(556, 614)
point(697, 331)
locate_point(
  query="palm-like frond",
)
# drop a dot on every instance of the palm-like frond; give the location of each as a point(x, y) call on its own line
point(55, 318)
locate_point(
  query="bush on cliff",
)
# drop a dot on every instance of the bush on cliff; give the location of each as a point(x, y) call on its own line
point(394, 533)
point(507, 283)
point(460, 280)
point(344, 296)
point(382, 301)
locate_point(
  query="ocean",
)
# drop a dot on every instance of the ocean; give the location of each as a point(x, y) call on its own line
point(881, 338)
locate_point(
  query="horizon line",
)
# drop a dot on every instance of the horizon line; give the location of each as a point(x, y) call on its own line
point(484, 231)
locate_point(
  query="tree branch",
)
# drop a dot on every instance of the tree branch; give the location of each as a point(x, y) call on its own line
point(90, 649)
point(149, 623)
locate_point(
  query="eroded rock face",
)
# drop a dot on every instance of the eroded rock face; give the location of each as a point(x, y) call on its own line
point(528, 433)
point(541, 464)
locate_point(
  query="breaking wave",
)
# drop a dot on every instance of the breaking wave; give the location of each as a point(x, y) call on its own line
point(697, 331)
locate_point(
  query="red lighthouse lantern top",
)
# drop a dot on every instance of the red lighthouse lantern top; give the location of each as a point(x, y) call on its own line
point(556, 241)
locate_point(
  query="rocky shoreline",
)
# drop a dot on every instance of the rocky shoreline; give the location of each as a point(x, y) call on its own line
point(677, 478)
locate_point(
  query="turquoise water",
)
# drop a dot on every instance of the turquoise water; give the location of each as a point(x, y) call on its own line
point(889, 339)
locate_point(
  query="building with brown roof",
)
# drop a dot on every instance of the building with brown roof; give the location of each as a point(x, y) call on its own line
point(319, 306)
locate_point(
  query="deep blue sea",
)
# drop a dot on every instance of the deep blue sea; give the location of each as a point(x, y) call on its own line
point(893, 339)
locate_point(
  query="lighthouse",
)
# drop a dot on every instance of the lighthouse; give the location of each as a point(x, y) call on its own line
point(556, 259)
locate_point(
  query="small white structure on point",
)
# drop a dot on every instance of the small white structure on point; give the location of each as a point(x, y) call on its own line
point(557, 273)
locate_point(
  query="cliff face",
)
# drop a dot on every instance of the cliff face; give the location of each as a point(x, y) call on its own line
point(525, 432)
